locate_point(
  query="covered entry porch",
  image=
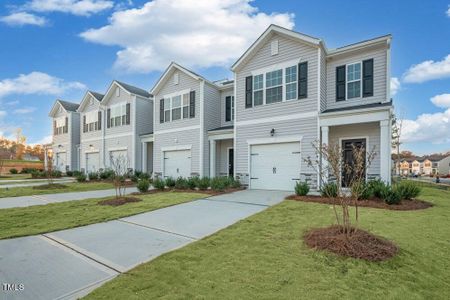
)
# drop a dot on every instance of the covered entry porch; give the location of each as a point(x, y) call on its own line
point(147, 153)
point(221, 151)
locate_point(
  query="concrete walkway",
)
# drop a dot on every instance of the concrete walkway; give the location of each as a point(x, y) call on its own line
point(24, 201)
point(69, 264)
point(32, 183)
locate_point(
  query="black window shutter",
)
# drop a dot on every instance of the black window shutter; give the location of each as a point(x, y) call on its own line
point(66, 128)
point(340, 83)
point(99, 120)
point(54, 127)
point(84, 123)
point(161, 111)
point(368, 78)
point(108, 118)
point(227, 108)
point(192, 104)
point(303, 80)
point(248, 91)
point(128, 114)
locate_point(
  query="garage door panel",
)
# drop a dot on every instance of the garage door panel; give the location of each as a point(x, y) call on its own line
point(275, 166)
point(177, 163)
point(92, 162)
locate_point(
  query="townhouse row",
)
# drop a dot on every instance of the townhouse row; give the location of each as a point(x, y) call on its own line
point(424, 166)
point(289, 91)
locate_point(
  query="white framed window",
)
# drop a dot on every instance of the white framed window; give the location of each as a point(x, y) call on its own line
point(258, 89)
point(167, 110)
point(91, 121)
point(354, 80)
point(118, 115)
point(60, 125)
point(274, 86)
point(176, 107)
point(185, 106)
point(291, 83)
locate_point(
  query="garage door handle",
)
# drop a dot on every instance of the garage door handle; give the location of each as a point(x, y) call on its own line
point(253, 178)
point(298, 152)
point(296, 179)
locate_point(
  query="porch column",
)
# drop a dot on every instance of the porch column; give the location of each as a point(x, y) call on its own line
point(212, 158)
point(385, 147)
point(144, 157)
point(325, 132)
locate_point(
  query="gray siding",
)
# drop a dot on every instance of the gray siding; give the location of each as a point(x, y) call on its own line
point(223, 95)
point(444, 166)
point(222, 156)
point(75, 139)
point(93, 138)
point(124, 97)
point(379, 81)
point(323, 80)
point(212, 119)
point(144, 124)
point(122, 143)
point(67, 142)
point(369, 130)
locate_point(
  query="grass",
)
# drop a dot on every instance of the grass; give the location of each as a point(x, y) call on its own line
point(264, 257)
point(71, 187)
point(16, 222)
point(14, 176)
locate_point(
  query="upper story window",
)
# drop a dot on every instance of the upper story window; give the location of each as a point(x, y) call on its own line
point(229, 108)
point(60, 125)
point(92, 121)
point(118, 115)
point(279, 85)
point(176, 107)
point(354, 80)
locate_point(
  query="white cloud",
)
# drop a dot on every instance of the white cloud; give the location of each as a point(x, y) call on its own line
point(45, 140)
point(37, 83)
point(24, 110)
point(2, 113)
point(23, 18)
point(448, 11)
point(395, 86)
point(433, 128)
point(428, 70)
point(76, 7)
point(442, 100)
point(191, 32)
point(12, 103)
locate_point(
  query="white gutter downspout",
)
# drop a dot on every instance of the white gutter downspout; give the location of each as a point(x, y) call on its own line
point(202, 125)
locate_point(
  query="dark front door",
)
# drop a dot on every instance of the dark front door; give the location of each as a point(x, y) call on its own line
point(348, 169)
point(230, 162)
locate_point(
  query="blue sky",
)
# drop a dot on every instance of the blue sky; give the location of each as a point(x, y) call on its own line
point(59, 48)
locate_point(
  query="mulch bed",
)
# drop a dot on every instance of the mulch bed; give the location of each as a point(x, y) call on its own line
point(54, 186)
point(119, 201)
point(207, 192)
point(360, 244)
point(374, 203)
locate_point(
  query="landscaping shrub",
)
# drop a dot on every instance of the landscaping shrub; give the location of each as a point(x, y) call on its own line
point(134, 178)
point(106, 174)
point(192, 182)
point(55, 174)
point(181, 183)
point(301, 188)
point(408, 189)
point(146, 176)
point(69, 173)
point(93, 175)
point(143, 185)
point(76, 173)
point(236, 183)
point(378, 188)
point(81, 178)
point(361, 191)
point(203, 183)
point(391, 196)
point(13, 171)
point(28, 170)
point(159, 183)
point(218, 183)
point(329, 190)
point(170, 182)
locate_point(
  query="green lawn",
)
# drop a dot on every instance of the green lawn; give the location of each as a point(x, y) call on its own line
point(71, 187)
point(14, 176)
point(15, 222)
point(264, 257)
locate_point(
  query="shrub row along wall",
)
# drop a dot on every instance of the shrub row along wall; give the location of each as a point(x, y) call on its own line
point(8, 165)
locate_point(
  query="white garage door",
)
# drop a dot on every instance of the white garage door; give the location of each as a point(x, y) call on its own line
point(177, 163)
point(92, 162)
point(275, 166)
point(122, 154)
point(61, 161)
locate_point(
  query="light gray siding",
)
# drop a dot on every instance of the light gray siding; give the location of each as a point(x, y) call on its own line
point(67, 142)
point(212, 119)
point(444, 166)
point(119, 144)
point(222, 156)
point(144, 125)
point(93, 138)
point(75, 140)
point(323, 80)
point(371, 131)
point(124, 97)
point(379, 77)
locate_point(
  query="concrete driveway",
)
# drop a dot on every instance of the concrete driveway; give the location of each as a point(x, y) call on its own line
point(70, 263)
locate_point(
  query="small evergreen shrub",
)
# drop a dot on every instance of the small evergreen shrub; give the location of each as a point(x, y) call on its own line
point(192, 182)
point(301, 188)
point(361, 191)
point(408, 189)
point(391, 196)
point(106, 175)
point(13, 171)
point(170, 182)
point(377, 188)
point(181, 183)
point(204, 183)
point(218, 183)
point(56, 174)
point(329, 190)
point(145, 175)
point(159, 183)
point(69, 173)
point(143, 185)
point(236, 184)
point(76, 173)
point(28, 170)
point(93, 175)
point(81, 178)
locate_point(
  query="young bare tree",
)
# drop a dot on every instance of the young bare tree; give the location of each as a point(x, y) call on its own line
point(329, 163)
point(49, 172)
point(2, 163)
point(397, 124)
point(119, 165)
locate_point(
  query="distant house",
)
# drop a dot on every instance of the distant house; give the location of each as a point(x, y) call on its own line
point(30, 157)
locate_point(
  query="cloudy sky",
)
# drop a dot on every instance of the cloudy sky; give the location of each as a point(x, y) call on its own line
point(59, 48)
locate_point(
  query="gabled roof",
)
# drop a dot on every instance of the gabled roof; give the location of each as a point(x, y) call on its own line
point(132, 90)
point(384, 39)
point(66, 105)
point(97, 96)
point(164, 76)
point(267, 34)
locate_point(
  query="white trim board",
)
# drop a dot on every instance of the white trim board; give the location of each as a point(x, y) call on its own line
point(312, 114)
point(276, 140)
point(282, 65)
point(176, 129)
point(349, 118)
point(176, 148)
point(117, 149)
point(225, 136)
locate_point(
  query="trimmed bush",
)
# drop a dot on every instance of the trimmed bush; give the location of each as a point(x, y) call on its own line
point(391, 196)
point(93, 175)
point(69, 173)
point(81, 178)
point(143, 185)
point(181, 183)
point(408, 189)
point(329, 190)
point(170, 182)
point(236, 183)
point(361, 191)
point(76, 173)
point(13, 171)
point(56, 174)
point(28, 170)
point(203, 183)
point(219, 183)
point(145, 176)
point(301, 188)
point(159, 183)
point(378, 188)
point(106, 175)
point(192, 182)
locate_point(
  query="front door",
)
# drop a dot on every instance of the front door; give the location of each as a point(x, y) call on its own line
point(230, 161)
point(348, 148)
